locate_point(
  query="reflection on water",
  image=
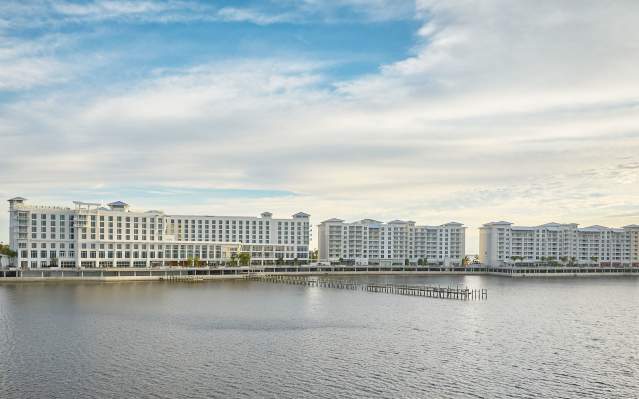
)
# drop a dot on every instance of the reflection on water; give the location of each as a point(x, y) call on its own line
point(532, 338)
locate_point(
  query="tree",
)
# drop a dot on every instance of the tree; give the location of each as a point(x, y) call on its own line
point(594, 259)
point(465, 260)
point(244, 258)
point(6, 250)
point(234, 259)
point(564, 259)
point(406, 262)
point(196, 261)
point(314, 254)
point(420, 262)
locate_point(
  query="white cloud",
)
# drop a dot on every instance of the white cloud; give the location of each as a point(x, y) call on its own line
point(233, 14)
point(34, 13)
point(28, 63)
point(525, 111)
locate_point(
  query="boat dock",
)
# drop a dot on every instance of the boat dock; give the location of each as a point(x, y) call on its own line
point(457, 293)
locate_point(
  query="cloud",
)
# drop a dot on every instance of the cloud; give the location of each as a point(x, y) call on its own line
point(233, 14)
point(29, 63)
point(33, 13)
point(504, 110)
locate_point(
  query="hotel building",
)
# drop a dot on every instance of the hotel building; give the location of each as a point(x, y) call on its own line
point(370, 242)
point(501, 243)
point(91, 235)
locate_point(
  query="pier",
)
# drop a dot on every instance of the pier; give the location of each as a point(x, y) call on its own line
point(456, 293)
point(182, 278)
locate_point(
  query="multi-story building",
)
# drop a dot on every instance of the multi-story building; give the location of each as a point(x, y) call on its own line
point(502, 243)
point(371, 242)
point(91, 235)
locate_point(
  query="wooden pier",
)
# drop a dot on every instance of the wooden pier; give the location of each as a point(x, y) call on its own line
point(182, 279)
point(457, 293)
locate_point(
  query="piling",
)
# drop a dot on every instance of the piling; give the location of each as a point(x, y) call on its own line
point(426, 291)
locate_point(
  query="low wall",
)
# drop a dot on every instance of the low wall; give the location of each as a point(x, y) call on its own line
point(143, 274)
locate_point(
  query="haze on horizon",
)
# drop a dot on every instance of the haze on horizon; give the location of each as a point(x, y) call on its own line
point(429, 111)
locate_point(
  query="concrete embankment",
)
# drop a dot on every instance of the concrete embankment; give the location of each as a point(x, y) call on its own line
point(216, 273)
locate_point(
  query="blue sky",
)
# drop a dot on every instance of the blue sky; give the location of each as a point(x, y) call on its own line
point(423, 110)
point(121, 42)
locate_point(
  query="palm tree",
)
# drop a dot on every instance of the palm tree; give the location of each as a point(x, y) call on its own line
point(465, 260)
point(594, 259)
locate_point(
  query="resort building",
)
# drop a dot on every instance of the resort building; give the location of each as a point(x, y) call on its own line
point(501, 243)
point(371, 242)
point(91, 235)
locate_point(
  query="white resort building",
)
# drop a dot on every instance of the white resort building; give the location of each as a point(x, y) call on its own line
point(501, 243)
point(370, 242)
point(90, 235)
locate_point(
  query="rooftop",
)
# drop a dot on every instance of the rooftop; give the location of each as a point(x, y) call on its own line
point(118, 203)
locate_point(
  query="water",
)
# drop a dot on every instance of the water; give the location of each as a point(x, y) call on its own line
point(569, 338)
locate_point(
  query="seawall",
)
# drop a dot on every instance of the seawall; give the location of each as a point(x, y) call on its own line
point(212, 273)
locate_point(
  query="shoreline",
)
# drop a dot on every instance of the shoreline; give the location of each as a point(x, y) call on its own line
point(240, 273)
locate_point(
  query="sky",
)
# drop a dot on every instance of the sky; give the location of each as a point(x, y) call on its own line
point(432, 111)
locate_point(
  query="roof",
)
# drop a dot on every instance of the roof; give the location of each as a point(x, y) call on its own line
point(631, 226)
point(496, 223)
point(17, 199)
point(333, 220)
point(301, 215)
point(118, 203)
point(595, 227)
point(370, 221)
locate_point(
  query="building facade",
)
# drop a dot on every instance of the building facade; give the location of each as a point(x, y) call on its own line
point(371, 242)
point(501, 243)
point(91, 235)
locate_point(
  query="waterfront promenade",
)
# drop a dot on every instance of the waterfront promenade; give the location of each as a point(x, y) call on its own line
point(206, 273)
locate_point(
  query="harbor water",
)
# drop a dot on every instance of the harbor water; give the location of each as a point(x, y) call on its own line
point(556, 337)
